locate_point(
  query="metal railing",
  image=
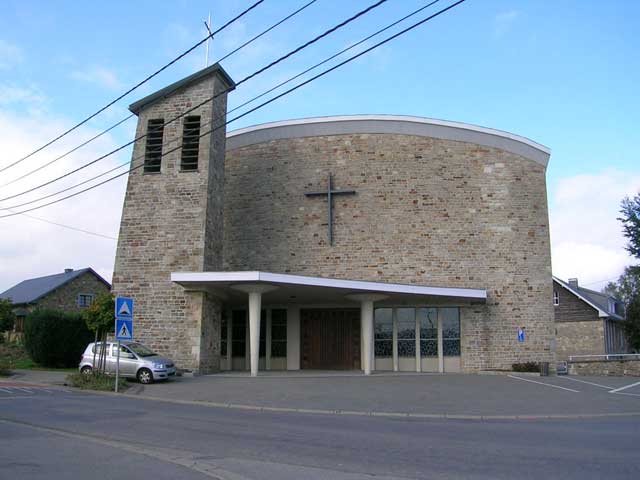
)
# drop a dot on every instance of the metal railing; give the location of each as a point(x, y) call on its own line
point(611, 356)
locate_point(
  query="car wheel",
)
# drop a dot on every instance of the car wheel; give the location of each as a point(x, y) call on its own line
point(145, 376)
point(86, 370)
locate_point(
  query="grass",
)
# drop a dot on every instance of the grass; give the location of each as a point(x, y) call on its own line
point(96, 382)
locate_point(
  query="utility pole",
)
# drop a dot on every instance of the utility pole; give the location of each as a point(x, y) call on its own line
point(208, 25)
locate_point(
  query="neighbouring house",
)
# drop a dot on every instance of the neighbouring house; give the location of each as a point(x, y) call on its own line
point(70, 291)
point(587, 322)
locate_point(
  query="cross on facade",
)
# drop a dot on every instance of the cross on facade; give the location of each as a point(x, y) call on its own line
point(329, 194)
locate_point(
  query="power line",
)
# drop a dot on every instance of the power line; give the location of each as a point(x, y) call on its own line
point(177, 117)
point(323, 73)
point(69, 227)
point(133, 160)
point(133, 88)
point(237, 49)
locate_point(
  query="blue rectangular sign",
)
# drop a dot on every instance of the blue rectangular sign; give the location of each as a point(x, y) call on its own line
point(124, 329)
point(124, 308)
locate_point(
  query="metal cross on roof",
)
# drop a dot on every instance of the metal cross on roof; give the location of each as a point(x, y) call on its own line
point(330, 192)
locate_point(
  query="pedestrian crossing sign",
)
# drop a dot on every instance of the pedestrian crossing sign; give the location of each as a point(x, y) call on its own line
point(124, 329)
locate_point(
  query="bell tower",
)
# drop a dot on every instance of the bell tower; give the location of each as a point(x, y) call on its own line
point(172, 217)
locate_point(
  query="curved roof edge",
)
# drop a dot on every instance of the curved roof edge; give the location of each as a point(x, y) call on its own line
point(393, 124)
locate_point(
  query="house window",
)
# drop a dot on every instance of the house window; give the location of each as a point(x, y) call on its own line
point(556, 298)
point(85, 300)
point(383, 332)
point(153, 149)
point(190, 142)
point(278, 333)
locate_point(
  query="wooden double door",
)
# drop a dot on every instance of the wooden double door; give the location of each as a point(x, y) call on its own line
point(330, 339)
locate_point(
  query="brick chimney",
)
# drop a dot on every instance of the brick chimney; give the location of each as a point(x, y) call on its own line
point(573, 282)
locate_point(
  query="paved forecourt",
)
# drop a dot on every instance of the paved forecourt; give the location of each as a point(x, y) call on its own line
point(515, 395)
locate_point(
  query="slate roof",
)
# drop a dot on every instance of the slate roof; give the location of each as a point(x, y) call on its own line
point(29, 291)
point(598, 300)
point(135, 107)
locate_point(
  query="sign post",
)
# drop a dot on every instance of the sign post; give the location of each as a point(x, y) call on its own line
point(124, 327)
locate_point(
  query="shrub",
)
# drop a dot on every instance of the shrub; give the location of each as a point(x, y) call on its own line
point(55, 339)
point(5, 367)
point(526, 367)
point(7, 317)
point(96, 382)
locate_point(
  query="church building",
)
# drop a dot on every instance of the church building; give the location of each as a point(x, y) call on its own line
point(359, 242)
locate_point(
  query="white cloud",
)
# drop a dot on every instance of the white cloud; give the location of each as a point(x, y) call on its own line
point(30, 248)
point(10, 55)
point(10, 94)
point(97, 75)
point(503, 21)
point(586, 237)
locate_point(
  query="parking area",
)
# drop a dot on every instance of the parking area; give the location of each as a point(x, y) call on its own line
point(514, 395)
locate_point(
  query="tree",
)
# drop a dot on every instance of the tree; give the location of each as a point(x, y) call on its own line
point(626, 287)
point(630, 210)
point(99, 318)
point(632, 323)
point(7, 317)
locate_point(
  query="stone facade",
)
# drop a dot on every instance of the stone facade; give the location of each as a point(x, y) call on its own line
point(571, 309)
point(172, 221)
point(427, 211)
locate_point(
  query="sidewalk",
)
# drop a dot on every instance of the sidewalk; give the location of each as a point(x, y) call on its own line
point(48, 377)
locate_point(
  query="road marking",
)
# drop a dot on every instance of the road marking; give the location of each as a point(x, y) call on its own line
point(625, 393)
point(13, 397)
point(588, 383)
point(546, 384)
point(624, 388)
point(6, 390)
point(24, 389)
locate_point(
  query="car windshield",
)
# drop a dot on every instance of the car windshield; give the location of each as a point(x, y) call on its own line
point(140, 350)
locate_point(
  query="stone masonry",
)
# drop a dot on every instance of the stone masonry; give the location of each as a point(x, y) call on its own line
point(427, 211)
point(172, 221)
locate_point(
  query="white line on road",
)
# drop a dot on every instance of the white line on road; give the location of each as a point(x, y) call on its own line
point(540, 383)
point(588, 383)
point(625, 393)
point(624, 388)
point(6, 390)
point(24, 389)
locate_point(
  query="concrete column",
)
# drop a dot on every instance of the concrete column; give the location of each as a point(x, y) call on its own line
point(394, 327)
point(418, 354)
point(293, 338)
point(255, 292)
point(267, 346)
point(440, 343)
point(366, 327)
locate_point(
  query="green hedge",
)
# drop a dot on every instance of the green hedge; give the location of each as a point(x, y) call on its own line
point(55, 339)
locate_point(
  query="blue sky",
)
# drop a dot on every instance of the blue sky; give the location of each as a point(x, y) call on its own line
point(563, 73)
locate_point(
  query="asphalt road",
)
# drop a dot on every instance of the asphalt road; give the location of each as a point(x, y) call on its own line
point(57, 434)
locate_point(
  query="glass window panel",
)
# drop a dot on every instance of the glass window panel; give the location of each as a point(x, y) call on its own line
point(383, 321)
point(450, 332)
point(451, 348)
point(428, 323)
point(406, 323)
point(428, 348)
point(238, 333)
point(384, 348)
point(406, 348)
point(279, 349)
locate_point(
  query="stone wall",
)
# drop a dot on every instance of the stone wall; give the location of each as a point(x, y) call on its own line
point(427, 211)
point(171, 221)
point(579, 338)
point(606, 367)
point(65, 298)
